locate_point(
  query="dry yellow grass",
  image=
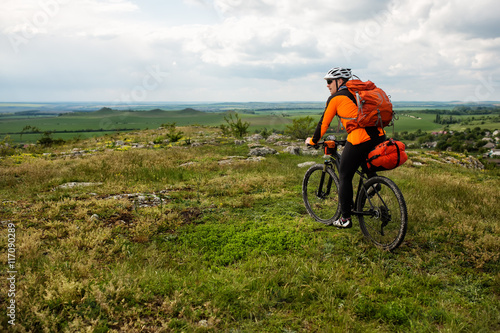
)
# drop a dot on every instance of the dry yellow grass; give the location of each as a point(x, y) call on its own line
point(91, 258)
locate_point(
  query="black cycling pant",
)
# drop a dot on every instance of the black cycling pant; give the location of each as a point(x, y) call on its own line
point(352, 158)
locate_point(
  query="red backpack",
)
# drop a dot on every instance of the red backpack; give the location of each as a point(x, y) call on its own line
point(374, 106)
point(386, 156)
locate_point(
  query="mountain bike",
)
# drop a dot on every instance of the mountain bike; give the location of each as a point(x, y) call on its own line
point(379, 204)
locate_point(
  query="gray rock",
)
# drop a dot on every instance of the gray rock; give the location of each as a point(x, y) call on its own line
point(255, 159)
point(140, 199)
point(312, 152)
point(187, 164)
point(262, 151)
point(78, 184)
point(306, 164)
point(231, 159)
point(468, 162)
point(292, 150)
point(225, 162)
point(255, 137)
point(274, 137)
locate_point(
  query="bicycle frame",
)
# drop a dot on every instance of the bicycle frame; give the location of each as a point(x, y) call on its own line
point(334, 163)
point(361, 186)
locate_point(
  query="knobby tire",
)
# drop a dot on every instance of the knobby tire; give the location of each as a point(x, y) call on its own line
point(386, 228)
point(324, 206)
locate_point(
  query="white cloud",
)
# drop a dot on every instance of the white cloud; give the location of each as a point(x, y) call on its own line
point(246, 50)
point(112, 6)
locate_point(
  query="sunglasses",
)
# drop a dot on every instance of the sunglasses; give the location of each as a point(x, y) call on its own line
point(329, 81)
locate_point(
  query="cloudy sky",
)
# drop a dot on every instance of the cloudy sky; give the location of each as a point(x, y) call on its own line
point(246, 50)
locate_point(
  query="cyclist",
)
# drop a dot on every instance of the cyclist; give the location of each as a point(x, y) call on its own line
point(359, 142)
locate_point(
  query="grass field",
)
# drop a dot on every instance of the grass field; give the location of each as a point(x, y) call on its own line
point(229, 247)
point(108, 121)
point(114, 120)
point(412, 121)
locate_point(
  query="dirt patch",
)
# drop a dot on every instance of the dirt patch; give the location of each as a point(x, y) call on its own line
point(189, 215)
point(125, 219)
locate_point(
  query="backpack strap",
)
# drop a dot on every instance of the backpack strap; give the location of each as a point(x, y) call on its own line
point(372, 158)
point(392, 142)
point(399, 154)
point(348, 93)
point(344, 91)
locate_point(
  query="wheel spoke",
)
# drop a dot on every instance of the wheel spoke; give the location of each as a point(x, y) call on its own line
point(320, 194)
point(387, 227)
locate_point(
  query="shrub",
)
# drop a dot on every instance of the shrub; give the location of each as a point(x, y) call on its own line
point(173, 134)
point(237, 127)
point(266, 133)
point(47, 141)
point(225, 130)
point(301, 128)
point(159, 139)
point(6, 147)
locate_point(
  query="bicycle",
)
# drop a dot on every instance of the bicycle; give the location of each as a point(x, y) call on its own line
point(379, 204)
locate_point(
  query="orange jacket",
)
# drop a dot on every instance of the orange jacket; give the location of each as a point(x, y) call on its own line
point(342, 104)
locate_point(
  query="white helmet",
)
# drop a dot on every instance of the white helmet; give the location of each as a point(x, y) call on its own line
point(338, 73)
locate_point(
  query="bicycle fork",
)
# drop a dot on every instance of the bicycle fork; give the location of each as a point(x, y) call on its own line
point(320, 194)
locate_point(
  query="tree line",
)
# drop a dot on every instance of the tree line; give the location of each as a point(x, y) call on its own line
point(470, 140)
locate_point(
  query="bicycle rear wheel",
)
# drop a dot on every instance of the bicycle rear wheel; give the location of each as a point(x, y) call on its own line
point(320, 194)
point(387, 223)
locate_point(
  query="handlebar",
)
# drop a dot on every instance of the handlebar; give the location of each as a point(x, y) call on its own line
point(322, 143)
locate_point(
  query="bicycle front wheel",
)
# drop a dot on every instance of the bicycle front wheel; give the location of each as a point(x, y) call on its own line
point(386, 225)
point(320, 194)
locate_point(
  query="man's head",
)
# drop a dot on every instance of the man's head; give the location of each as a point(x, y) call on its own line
point(339, 73)
point(336, 77)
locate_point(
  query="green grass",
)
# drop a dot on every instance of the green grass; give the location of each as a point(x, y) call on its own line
point(232, 249)
point(422, 121)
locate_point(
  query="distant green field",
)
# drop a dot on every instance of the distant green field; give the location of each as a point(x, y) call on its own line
point(412, 121)
point(80, 124)
point(131, 120)
point(422, 108)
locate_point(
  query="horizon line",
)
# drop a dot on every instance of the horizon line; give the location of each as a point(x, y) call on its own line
point(235, 102)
